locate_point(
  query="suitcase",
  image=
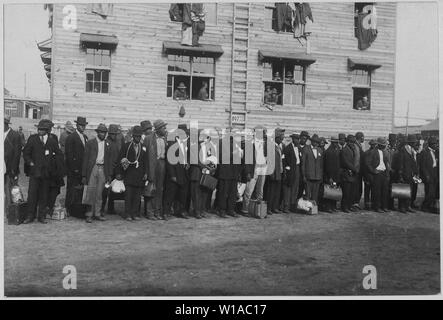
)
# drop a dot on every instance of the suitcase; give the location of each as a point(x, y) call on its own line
point(17, 213)
point(208, 181)
point(420, 194)
point(332, 193)
point(258, 209)
point(307, 207)
point(401, 191)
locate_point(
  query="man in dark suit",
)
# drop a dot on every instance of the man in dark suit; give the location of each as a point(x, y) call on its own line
point(304, 137)
point(368, 177)
point(132, 169)
point(331, 172)
point(113, 154)
point(274, 178)
point(312, 168)
point(291, 181)
point(12, 152)
point(156, 166)
point(40, 154)
point(97, 170)
point(146, 126)
point(392, 150)
point(177, 173)
point(74, 152)
point(378, 167)
point(429, 173)
point(349, 170)
point(359, 140)
point(407, 169)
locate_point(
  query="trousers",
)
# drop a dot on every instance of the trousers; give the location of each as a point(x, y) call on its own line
point(38, 197)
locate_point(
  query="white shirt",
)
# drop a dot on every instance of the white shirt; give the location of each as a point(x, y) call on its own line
point(297, 153)
point(183, 151)
point(434, 160)
point(260, 159)
point(101, 152)
point(82, 138)
point(6, 133)
point(381, 166)
point(44, 138)
point(315, 151)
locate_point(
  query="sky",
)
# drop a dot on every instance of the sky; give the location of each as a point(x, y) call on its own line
point(416, 74)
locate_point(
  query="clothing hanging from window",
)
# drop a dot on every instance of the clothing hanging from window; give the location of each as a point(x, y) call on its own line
point(192, 17)
point(303, 20)
point(366, 28)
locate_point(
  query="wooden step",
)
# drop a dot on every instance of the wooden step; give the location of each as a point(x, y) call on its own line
point(241, 38)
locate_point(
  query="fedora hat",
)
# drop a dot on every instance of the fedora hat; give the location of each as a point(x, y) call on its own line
point(295, 135)
point(7, 119)
point(432, 140)
point(113, 129)
point(279, 132)
point(69, 127)
point(315, 138)
point(137, 131)
point(159, 124)
point(146, 125)
point(334, 139)
point(101, 128)
point(412, 138)
point(181, 85)
point(304, 134)
point(341, 136)
point(381, 141)
point(43, 124)
point(372, 142)
point(81, 121)
point(392, 136)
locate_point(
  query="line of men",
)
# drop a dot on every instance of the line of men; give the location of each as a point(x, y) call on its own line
point(300, 169)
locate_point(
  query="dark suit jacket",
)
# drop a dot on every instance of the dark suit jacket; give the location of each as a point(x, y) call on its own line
point(347, 157)
point(150, 144)
point(312, 168)
point(90, 158)
point(229, 171)
point(407, 165)
point(427, 172)
point(195, 171)
point(133, 175)
point(290, 160)
point(44, 157)
point(372, 160)
point(12, 150)
point(179, 170)
point(332, 164)
point(277, 174)
point(74, 153)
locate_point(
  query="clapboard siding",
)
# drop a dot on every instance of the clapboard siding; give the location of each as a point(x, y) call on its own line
point(139, 70)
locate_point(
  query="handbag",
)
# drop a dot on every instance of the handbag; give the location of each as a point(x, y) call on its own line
point(401, 191)
point(16, 194)
point(258, 209)
point(332, 193)
point(149, 190)
point(117, 186)
point(208, 181)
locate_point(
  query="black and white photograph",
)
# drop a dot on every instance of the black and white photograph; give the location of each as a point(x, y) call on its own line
point(221, 149)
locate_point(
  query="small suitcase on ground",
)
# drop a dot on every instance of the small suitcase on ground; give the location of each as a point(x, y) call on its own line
point(17, 213)
point(258, 209)
point(401, 191)
point(208, 181)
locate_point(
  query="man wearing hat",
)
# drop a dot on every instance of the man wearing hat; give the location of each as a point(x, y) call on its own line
point(341, 140)
point(407, 169)
point(69, 128)
point(132, 169)
point(429, 172)
point(312, 168)
point(350, 167)
point(367, 178)
point(22, 136)
point(156, 166)
point(377, 166)
point(291, 181)
point(332, 171)
point(97, 169)
point(392, 150)
point(74, 152)
point(359, 140)
point(274, 179)
point(40, 154)
point(12, 152)
point(304, 138)
point(180, 92)
point(177, 173)
point(147, 131)
point(114, 151)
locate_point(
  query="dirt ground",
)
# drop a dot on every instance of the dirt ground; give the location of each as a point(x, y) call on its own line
point(286, 254)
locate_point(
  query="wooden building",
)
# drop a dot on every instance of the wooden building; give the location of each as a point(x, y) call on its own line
point(121, 63)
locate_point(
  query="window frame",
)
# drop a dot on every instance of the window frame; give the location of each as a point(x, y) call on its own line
point(361, 86)
point(94, 67)
point(191, 75)
point(283, 82)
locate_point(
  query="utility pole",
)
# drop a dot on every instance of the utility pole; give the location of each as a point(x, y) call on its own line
point(407, 119)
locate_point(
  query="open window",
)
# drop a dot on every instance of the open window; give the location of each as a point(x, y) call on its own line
point(361, 76)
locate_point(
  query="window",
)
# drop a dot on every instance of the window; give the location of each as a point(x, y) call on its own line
point(361, 87)
point(98, 69)
point(191, 77)
point(359, 8)
point(271, 21)
point(284, 83)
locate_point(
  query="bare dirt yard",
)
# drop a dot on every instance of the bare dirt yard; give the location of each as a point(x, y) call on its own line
point(287, 254)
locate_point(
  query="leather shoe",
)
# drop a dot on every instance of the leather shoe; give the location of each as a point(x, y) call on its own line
point(183, 215)
point(379, 211)
point(27, 221)
point(222, 214)
point(128, 219)
point(386, 210)
point(198, 216)
point(42, 220)
point(233, 214)
point(136, 218)
point(276, 211)
point(410, 210)
point(285, 211)
point(346, 211)
point(165, 217)
point(88, 220)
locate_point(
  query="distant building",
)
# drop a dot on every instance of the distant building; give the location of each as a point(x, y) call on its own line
point(431, 129)
point(25, 107)
point(123, 63)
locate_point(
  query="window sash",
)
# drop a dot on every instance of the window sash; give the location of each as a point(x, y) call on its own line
point(97, 80)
